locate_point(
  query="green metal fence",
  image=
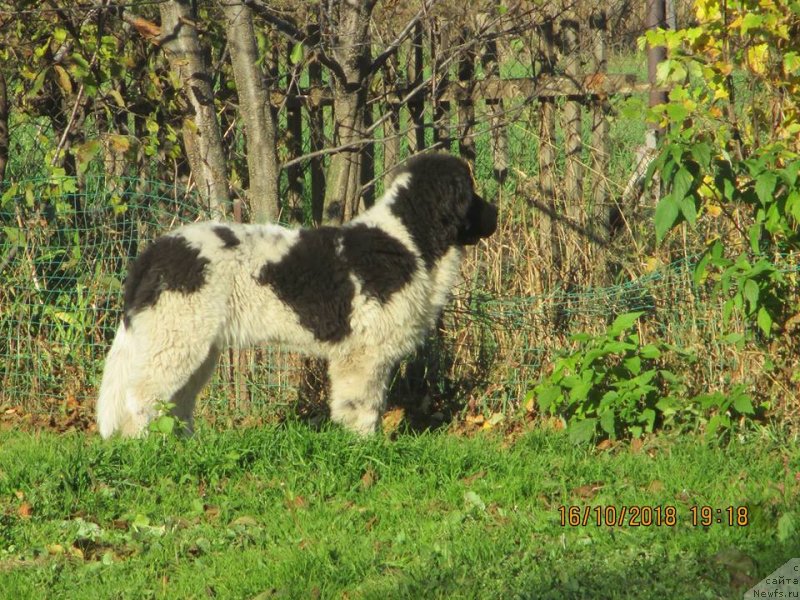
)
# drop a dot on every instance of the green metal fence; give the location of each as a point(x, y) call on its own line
point(64, 253)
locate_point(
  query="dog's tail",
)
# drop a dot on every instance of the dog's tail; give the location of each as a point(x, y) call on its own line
point(111, 402)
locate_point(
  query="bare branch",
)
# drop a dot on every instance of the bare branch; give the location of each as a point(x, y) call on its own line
point(381, 59)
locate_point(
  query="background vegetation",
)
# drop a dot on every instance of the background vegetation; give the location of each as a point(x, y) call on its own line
point(616, 311)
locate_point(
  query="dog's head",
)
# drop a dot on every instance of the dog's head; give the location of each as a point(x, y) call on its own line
point(480, 221)
point(458, 212)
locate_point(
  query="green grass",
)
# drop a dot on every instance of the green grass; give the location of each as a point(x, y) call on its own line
point(290, 512)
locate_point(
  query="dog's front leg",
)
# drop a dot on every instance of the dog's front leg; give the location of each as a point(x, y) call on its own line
point(358, 392)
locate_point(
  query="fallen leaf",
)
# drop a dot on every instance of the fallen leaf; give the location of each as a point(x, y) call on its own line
point(605, 444)
point(475, 419)
point(470, 479)
point(24, 510)
point(295, 502)
point(368, 479)
point(392, 419)
point(244, 521)
point(494, 420)
point(588, 491)
point(474, 500)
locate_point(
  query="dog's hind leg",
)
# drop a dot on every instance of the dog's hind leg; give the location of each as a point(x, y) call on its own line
point(358, 392)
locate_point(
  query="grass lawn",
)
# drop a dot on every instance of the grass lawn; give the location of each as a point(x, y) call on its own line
point(288, 512)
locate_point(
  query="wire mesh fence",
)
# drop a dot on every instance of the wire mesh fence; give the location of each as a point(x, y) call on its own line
point(64, 255)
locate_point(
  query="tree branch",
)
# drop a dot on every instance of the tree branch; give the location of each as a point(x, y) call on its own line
point(381, 59)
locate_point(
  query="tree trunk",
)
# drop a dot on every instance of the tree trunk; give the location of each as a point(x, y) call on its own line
point(201, 134)
point(347, 37)
point(262, 159)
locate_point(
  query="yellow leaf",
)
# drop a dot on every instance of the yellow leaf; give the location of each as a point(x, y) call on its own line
point(118, 143)
point(721, 93)
point(713, 210)
point(64, 82)
point(707, 10)
point(117, 97)
point(392, 419)
point(651, 264)
point(757, 58)
point(494, 420)
point(530, 405)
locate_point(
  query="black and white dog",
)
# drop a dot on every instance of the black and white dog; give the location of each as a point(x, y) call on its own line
point(362, 295)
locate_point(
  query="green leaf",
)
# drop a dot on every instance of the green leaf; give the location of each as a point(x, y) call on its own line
point(608, 422)
point(743, 404)
point(765, 186)
point(682, 183)
point(677, 112)
point(750, 292)
point(668, 406)
point(793, 205)
point(633, 364)
point(473, 500)
point(296, 56)
point(667, 212)
point(751, 20)
point(764, 321)
point(787, 525)
point(701, 152)
point(688, 209)
point(581, 391)
point(582, 431)
point(790, 173)
point(649, 352)
point(547, 397)
point(754, 234)
point(14, 235)
point(649, 418)
point(60, 35)
point(164, 424)
point(624, 322)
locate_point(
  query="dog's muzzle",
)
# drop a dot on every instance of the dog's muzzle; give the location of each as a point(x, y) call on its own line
point(481, 222)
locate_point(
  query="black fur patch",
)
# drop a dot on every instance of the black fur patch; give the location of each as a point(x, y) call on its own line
point(227, 236)
point(481, 222)
point(435, 207)
point(314, 280)
point(315, 283)
point(169, 263)
point(382, 263)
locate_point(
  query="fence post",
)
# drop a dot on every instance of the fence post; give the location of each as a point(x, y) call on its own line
point(494, 109)
point(416, 105)
point(548, 243)
point(573, 142)
point(466, 108)
point(391, 143)
point(600, 131)
point(656, 17)
point(316, 122)
point(440, 79)
point(294, 143)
